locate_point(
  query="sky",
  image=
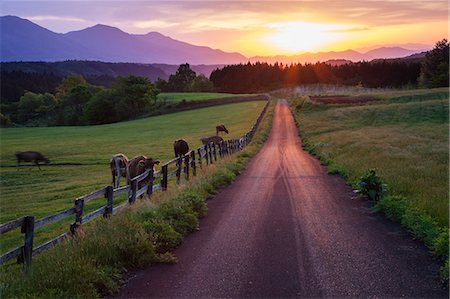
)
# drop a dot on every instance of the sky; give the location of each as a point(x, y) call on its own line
point(253, 27)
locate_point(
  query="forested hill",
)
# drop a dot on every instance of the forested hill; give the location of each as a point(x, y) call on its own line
point(98, 69)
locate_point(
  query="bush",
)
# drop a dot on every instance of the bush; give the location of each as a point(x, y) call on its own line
point(164, 236)
point(5, 121)
point(371, 185)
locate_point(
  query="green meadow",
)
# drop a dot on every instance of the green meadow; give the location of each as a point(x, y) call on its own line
point(42, 193)
point(175, 97)
point(404, 136)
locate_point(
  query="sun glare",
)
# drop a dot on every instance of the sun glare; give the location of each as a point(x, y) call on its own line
point(294, 37)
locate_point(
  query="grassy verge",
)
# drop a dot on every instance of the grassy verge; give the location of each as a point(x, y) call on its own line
point(92, 264)
point(405, 139)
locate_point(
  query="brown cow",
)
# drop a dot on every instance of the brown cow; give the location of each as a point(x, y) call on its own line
point(180, 147)
point(118, 165)
point(31, 156)
point(221, 128)
point(213, 139)
point(139, 165)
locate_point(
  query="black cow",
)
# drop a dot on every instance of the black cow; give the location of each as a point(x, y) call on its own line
point(31, 156)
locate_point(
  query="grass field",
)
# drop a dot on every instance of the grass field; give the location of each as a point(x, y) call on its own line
point(405, 137)
point(176, 97)
point(41, 193)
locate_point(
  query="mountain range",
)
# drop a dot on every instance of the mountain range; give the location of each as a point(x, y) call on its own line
point(23, 40)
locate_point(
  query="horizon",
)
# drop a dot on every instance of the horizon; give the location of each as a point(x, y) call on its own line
point(265, 28)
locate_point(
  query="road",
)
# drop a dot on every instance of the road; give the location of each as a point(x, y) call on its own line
point(286, 228)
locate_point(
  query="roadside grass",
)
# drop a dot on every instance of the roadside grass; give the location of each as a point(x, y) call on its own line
point(175, 97)
point(93, 263)
point(42, 193)
point(406, 140)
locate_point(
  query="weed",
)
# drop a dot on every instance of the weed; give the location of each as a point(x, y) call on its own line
point(371, 185)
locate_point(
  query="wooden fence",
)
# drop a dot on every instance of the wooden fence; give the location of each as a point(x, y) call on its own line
point(204, 155)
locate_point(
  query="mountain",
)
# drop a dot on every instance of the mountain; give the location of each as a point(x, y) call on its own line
point(23, 40)
point(350, 55)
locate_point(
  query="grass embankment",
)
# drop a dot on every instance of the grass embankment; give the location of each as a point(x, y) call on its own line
point(42, 193)
point(175, 97)
point(92, 264)
point(405, 138)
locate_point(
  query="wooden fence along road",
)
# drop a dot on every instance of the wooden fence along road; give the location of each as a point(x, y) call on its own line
point(207, 153)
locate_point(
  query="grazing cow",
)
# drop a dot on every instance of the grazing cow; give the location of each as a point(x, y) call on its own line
point(180, 147)
point(213, 139)
point(139, 165)
point(221, 128)
point(31, 156)
point(118, 165)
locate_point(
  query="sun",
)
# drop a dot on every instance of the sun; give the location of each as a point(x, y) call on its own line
point(294, 37)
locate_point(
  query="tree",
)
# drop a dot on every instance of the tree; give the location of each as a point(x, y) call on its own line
point(435, 67)
point(101, 108)
point(134, 96)
point(33, 106)
point(162, 85)
point(67, 85)
point(182, 79)
point(74, 103)
point(201, 83)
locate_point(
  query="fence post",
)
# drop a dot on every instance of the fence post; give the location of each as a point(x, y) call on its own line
point(214, 152)
point(27, 249)
point(79, 204)
point(133, 189)
point(180, 166)
point(199, 151)
point(150, 183)
point(109, 194)
point(206, 154)
point(164, 177)
point(186, 167)
point(194, 170)
point(210, 154)
point(220, 149)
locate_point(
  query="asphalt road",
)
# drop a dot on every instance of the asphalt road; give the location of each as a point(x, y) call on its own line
point(286, 228)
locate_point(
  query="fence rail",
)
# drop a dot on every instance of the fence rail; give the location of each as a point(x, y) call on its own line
point(209, 153)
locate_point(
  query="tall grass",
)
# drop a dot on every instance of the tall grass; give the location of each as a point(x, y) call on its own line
point(92, 264)
point(407, 142)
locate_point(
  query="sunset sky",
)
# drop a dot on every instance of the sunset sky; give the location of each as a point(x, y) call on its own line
point(253, 27)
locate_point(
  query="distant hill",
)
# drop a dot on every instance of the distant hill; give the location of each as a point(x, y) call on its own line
point(98, 68)
point(23, 40)
point(348, 55)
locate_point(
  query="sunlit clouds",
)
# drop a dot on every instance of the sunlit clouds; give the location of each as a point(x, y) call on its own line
point(253, 27)
point(294, 37)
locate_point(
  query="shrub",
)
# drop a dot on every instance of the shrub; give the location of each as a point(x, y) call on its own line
point(164, 236)
point(393, 206)
point(371, 185)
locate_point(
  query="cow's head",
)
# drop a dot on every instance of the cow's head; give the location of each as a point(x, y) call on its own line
point(148, 163)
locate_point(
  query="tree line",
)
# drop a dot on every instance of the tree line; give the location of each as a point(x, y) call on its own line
point(35, 99)
point(431, 72)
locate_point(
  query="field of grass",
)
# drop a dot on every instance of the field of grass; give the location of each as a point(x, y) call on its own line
point(175, 97)
point(41, 193)
point(404, 137)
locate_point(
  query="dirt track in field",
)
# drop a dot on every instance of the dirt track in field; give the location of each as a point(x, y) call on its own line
point(286, 228)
